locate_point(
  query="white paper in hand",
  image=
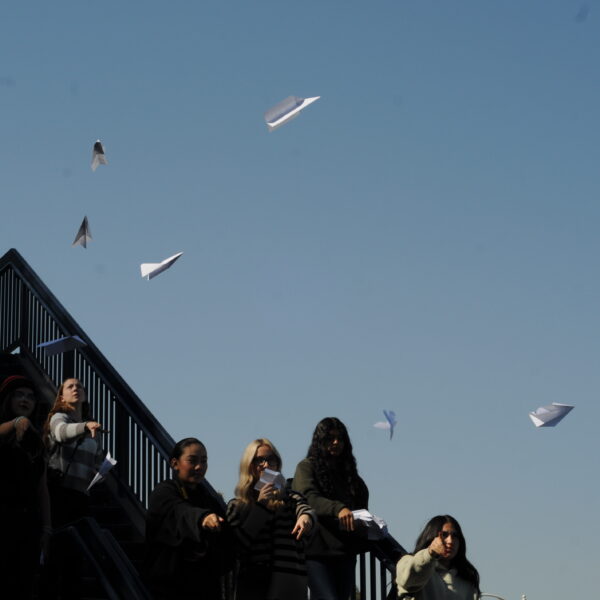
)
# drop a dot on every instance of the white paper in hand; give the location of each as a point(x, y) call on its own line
point(268, 476)
point(376, 527)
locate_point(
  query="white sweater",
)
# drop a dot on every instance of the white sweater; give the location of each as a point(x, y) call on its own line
point(422, 577)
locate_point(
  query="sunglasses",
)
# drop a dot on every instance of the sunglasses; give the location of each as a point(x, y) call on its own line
point(259, 460)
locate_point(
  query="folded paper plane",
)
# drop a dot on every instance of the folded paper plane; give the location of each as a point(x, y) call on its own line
point(286, 110)
point(63, 344)
point(150, 270)
point(98, 156)
point(107, 464)
point(551, 415)
point(269, 476)
point(376, 527)
point(84, 235)
point(390, 422)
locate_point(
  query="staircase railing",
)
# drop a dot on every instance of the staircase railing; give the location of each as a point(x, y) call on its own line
point(30, 315)
point(107, 560)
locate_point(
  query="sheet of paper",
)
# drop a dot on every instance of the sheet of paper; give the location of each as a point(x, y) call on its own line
point(107, 464)
point(376, 527)
point(63, 344)
point(150, 270)
point(286, 110)
point(268, 476)
point(84, 234)
point(550, 415)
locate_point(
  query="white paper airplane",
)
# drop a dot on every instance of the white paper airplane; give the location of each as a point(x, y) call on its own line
point(286, 110)
point(84, 235)
point(390, 415)
point(98, 157)
point(551, 415)
point(107, 464)
point(376, 527)
point(269, 476)
point(150, 270)
point(63, 344)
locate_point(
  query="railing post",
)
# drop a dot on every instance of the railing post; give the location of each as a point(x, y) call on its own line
point(24, 316)
point(68, 365)
point(121, 437)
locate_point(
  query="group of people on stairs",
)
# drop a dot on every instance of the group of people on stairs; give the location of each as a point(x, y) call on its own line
point(270, 542)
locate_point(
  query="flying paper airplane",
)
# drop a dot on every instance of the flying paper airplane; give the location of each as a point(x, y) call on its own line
point(286, 110)
point(84, 235)
point(98, 157)
point(63, 344)
point(107, 464)
point(551, 415)
point(150, 270)
point(390, 415)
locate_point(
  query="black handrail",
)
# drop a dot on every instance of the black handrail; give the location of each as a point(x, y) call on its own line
point(110, 564)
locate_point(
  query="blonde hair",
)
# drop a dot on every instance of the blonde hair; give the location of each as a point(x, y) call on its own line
point(244, 490)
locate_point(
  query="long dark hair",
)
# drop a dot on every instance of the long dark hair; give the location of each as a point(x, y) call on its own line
point(464, 569)
point(325, 464)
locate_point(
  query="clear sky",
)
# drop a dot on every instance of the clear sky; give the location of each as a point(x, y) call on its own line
point(424, 238)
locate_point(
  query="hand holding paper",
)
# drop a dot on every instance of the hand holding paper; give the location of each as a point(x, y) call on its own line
point(275, 478)
point(376, 527)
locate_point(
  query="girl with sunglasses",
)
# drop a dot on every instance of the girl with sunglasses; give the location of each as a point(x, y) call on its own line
point(270, 526)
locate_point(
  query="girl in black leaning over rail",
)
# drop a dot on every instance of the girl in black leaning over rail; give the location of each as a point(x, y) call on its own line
point(188, 543)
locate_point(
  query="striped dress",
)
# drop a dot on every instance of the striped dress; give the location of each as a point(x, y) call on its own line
point(271, 561)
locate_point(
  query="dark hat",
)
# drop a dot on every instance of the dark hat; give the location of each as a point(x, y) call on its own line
point(13, 382)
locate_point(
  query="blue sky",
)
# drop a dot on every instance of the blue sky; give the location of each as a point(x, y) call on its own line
point(423, 238)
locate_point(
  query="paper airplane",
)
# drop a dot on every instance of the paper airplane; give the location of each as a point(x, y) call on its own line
point(63, 344)
point(98, 157)
point(551, 415)
point(286, 110)
point(376, 527)
point(269, 476)
point(84, 235)
point(150, 270)
point(107, 464)
point(390, 415)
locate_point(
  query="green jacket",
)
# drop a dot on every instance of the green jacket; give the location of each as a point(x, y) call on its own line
point(329, 540)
